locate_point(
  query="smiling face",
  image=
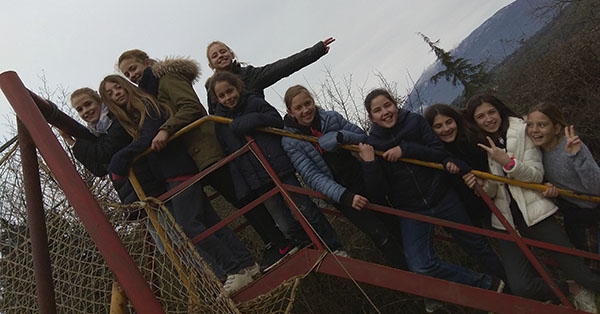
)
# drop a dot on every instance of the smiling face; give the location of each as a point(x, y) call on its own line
point(227, 94)
point(542, 131)
point(133, 69)
point(487, 117)
point(87, 108)
point(383, 112)
point(219, 56)
point(116, 93)
point(303, 108)
point(445, 127)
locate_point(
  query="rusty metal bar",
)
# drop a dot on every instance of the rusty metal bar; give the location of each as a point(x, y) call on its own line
point(398, 280)
point(91, 215)
point(37, 223)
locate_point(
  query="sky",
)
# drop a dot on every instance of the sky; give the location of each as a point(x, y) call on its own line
point(75, 43)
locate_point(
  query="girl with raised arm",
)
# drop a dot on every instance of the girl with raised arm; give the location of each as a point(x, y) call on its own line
point(249, 112)
point(256, 79)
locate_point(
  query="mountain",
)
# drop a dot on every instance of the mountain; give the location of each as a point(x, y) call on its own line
point(493, 41)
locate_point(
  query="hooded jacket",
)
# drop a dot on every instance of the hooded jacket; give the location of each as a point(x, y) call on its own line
point(309, 162)
point(170, 81)
point(528, 167)
point(402, 185)
point(256, 79)
point(252, 112)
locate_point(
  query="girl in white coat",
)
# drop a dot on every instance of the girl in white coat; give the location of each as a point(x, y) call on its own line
point(512, 154)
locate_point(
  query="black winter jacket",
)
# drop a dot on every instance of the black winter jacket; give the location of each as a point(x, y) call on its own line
point(256, 79)
point(252, 112)
point(173, 161)
point(95, 155)
point(402, 185)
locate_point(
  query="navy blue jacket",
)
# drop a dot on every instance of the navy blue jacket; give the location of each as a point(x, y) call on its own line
point(402, 185)
point(173, 161)
point(252, 112)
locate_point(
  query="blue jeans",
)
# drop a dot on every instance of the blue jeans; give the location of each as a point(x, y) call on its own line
point(417, 237)
point(194, 213)
point(283, 217)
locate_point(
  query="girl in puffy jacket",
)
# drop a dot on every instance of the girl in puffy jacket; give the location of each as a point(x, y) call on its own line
point(333, 171)
point(249, 112)
point(256, 79)
point(512, 154)
point(142, 116)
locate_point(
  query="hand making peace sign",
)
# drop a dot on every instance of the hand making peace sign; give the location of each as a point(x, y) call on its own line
point(573, 144)
point(497, 154)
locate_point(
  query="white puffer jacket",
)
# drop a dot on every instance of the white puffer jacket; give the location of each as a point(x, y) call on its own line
point(528, 167)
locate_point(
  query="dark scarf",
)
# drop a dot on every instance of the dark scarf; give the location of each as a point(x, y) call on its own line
point(149, 82)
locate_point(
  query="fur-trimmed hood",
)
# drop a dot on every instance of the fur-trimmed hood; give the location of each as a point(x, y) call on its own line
point(187, 67)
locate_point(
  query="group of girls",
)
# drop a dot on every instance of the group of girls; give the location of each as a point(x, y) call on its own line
point(135, 118)
point(487, 136)
point(490, 137)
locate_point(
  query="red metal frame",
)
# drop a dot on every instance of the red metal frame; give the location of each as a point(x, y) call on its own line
point(91, 215)
point(297, 264)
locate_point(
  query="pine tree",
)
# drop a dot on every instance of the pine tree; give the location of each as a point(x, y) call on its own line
point(458, 70)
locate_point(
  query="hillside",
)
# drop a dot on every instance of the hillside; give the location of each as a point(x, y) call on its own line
point(493, 41)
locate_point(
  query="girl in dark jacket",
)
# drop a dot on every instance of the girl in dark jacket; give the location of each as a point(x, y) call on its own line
point(171, 82)
point(448, 124)
point(249, 112)
point(142, 117)
point(256, 79)
point(400, 133)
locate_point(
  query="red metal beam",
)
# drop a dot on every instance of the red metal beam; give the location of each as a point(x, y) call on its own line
point(37, 223)
point(399, 280)
point(89, 212)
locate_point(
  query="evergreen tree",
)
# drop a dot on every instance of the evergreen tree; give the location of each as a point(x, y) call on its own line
point(458, 70)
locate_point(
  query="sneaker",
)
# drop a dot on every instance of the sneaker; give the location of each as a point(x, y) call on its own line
point(272, 256)
point(497, 285)
point(585, 300)
point(432, 305)
point(237, 281)
point(253, 270)
point(341, 253)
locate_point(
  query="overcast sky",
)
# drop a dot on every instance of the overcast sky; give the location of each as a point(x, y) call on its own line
point(77, 43)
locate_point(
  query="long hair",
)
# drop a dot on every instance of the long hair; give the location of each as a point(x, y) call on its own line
point(139, 105)
point(503, 110)
point(464, 131)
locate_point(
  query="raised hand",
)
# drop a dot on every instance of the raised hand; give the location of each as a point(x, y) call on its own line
point(573, 144)
point(327, 41)
point(497, 154)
